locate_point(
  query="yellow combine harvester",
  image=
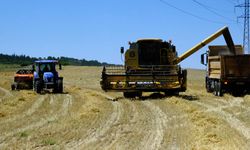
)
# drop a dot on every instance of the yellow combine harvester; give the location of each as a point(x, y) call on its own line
point(152, 65)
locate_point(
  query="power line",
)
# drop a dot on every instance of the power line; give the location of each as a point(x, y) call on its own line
point(239, 24)
point(245, 16)
point(232, 2)
point(216, 9)
point(212, 11)
point(191, 14)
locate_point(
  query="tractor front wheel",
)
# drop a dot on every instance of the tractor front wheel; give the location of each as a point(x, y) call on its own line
point(38, 87)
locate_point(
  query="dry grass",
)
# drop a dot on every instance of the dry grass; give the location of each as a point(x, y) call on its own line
point(84, 117)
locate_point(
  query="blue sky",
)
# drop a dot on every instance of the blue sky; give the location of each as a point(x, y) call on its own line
point(95, 29)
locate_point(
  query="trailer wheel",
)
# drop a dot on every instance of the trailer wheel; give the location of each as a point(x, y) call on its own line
point(208, 85)
point(219, 91)
point(236, 92)
point(38, 87)
point(217, 88)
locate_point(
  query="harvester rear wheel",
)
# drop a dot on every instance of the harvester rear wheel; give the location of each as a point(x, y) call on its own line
point(184, 81)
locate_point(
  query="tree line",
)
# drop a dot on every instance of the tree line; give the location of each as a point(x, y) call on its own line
point(24, 60)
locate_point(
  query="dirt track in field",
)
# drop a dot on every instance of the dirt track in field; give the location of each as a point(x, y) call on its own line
point(85, 117)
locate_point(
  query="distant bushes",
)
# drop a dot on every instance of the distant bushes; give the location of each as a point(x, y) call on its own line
point(82, 62)
point(24, 60)
point(16, 59)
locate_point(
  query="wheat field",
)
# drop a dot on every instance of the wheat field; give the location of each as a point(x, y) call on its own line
point(85, 117)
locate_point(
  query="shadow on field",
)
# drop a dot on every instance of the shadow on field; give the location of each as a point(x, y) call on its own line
point(189, 97)
point(155, 96)
point(50, 92)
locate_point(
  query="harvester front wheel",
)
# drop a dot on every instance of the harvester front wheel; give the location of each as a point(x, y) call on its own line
point(129, 94)
point(172, 93)
point(139, 94)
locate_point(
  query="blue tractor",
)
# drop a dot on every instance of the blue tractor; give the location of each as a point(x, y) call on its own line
point(46, 76)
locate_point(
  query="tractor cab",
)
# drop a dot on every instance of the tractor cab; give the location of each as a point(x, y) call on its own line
point(46, 76)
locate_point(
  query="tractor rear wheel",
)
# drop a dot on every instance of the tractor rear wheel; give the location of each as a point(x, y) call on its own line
point(60, 86)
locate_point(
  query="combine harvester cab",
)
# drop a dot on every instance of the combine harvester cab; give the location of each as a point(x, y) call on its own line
point(46, 76)
point(148, 67)
point(152, 65)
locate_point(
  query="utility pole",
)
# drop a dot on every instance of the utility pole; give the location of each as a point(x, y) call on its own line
point(245, 16)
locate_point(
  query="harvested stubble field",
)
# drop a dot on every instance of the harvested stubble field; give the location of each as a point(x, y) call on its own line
point(85, 117)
